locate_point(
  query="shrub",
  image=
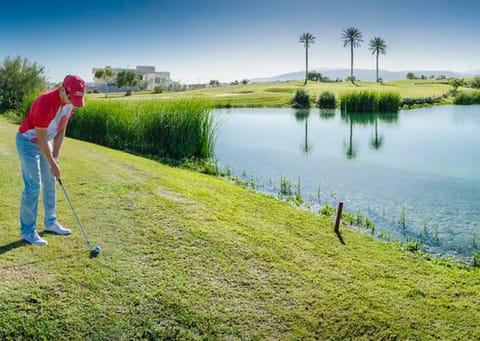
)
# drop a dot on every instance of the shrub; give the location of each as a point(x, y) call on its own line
point(351, 79)
point(467, 98)
point(455, 83)
point(18, 79)
point(475, 82)
point(18, 115)
point(411, 75)
point(327, 100)
point(158, 89)
point(301, 99)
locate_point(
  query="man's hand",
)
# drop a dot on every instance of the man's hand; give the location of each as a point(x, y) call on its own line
point(55, 169)
point(47, 152)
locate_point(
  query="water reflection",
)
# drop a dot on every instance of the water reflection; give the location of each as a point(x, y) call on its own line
point(350, 149)
point(377, 140)
point(327, 114)
point(302, 116)
point(350, 146)
point(365, 119)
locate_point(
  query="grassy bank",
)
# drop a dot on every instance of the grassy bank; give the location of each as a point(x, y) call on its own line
point(280, 94)
point(188, 256)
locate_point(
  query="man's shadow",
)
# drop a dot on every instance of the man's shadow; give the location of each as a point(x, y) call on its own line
point(16, 244)
point(13, 245)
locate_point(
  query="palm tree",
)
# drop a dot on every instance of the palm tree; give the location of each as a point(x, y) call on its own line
point(306, 38)
point(352, 37)
point(377, 45)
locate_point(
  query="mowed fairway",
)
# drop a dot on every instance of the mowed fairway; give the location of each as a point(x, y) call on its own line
point(280, 94)
point(190, 256)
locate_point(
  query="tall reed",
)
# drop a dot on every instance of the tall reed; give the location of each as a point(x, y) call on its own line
point(388, 101)
point(175, 129)
point(467, 98)
point(369, 101)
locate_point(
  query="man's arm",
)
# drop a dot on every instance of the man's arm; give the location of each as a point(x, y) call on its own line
point(44, 147)
point(57, 142)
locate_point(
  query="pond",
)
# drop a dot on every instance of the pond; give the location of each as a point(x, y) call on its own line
point(415, 174)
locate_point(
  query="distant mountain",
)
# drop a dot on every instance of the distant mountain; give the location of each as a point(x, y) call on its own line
point(364, 74)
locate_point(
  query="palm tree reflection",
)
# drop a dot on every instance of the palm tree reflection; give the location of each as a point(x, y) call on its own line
point(377, 140)
point(366, 119)
point(350, 149)
point(302, 116)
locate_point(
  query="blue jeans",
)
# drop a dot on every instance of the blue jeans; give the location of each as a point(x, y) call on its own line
point(35, 171)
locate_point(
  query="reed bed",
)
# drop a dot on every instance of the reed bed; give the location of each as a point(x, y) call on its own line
point(370, 101)
point(467, 98)
point(174, 129)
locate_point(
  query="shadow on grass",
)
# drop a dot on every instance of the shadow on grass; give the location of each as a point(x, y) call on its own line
point(16, 244)
point(13, 245)
point(340, 238)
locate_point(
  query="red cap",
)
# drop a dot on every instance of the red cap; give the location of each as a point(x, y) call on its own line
point(76, 88)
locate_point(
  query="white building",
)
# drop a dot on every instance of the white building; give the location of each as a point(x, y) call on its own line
point(149, 78)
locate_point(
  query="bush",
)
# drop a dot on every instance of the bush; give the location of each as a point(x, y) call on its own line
point(467, 98)
point(158, 89)
point(301, 99)
point(455, 83)
point(327, 100)
point(18, 79)
point(411, 75)
point(18, 115)
point(475, 82)
point(351, 79)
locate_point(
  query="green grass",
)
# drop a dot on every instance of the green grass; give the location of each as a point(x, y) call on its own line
point(189, 256)
point(280, 94)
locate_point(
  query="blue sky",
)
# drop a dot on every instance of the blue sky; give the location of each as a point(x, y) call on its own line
point(200, 40)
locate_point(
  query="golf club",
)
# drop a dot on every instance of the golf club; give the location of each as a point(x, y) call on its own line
point(95, 250)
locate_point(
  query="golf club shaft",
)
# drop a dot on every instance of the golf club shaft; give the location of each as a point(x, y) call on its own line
point(74, 213)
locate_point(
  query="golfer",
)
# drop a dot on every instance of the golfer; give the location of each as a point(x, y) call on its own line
point(39, 139)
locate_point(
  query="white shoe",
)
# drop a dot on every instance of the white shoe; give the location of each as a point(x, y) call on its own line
point(58, 229)
point(33, 238)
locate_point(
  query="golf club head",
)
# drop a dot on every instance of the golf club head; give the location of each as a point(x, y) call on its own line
point(95, 251)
